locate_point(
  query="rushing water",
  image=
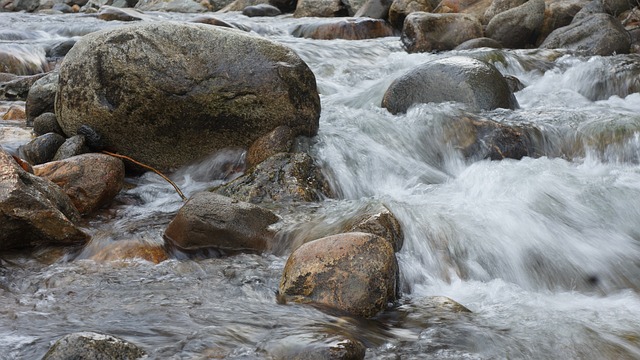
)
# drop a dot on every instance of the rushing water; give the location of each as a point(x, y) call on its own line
point(544, 251)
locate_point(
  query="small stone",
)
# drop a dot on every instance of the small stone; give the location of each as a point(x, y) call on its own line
point(16, 112)
point(46, 123)
point(42, 149)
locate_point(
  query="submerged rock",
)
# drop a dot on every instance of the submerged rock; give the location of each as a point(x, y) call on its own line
point(131, 249)
point(210, 220)
point(353, 272)
point(597, 34)
point(475, 83)
point(91, 345)
point(348, 29)
point(306, 347)
point(169, 113)
point(34, 211)
point(90, 180)
point(282, 177)
point(424, 32)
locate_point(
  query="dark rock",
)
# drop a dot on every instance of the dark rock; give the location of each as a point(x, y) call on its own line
point(17, 88)
point(60, 49)
point(34, 211)
point(121, 78)
point(73, 146)
point(428, 32)
point(210, 220)
point(591, 8)
point(598, 34)
point(41, 97)
point(93, 140)
point(401, 8)
point(518, 27)
point(282, 177)
point(63, 8)
point(354, 272)
point(90, 180)
point(375, 9)
point(280, 140)
point(19, 5)
point(559, 14)
point(479, 43)
point(617, 7)
point(46, 123)
point(42, 149)
point(515, 84)
point(320, 8)
point(91, 345)
point(348, 29)
point(261, 10)
point(473, 82)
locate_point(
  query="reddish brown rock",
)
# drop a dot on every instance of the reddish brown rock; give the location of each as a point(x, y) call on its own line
point(401, 8)
point(15, 112)
point(90, 180)
point(34, 211)
point(353, 272)
point(277, 141)
point(131, 249)
point(347, 29)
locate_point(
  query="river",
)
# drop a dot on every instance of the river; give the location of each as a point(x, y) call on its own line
point(545, 251)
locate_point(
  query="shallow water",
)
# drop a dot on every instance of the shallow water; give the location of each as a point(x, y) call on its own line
point(544, 251)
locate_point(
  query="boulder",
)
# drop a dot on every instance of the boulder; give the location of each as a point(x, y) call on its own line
point(347, 29)
point(41, 97)
point(111, 13)
point(597, 34)
point(353, 272)
point(282, 177)
point(16, 88)
point(475, 83)
point(518, 27)
point(278, 141)
point(500, 6)
point(131, 249)
point(431, 32)
point(320, 8)
point(41, 149)
point(91, 345)
point(261, 10)
point(209, 220)
point(46, 123)
point(374, 9)
point(179, 6)
point(34, 211)
point(90, 180)
point(481, 138)
point(479, 43)
point(15, 112)
point(73, 146)
point(155, 92)
point(19, 61)
point(400, 9)
point(558, 14)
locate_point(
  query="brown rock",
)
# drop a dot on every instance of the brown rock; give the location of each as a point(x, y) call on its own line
point(353, 272)
point(401, 8)
point(278, 141)
point(34, 211)
point(15, 112)
point(383, 224)
point(428, 32)
point(210, 220)
point(348, 29)
point(90, 180)
point(131, 249)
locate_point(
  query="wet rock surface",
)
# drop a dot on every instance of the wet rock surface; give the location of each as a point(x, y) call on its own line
point(350, 29)
point(424, 32)
point(91, 345)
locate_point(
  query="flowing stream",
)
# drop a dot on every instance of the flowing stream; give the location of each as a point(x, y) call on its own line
point(544, 251)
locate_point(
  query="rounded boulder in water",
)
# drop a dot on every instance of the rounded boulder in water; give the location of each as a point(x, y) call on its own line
point(475, 83)
point(167, 94)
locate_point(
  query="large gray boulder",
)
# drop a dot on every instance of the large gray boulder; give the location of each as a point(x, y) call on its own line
point(517, 27)
point(354, 272)
point(91, 345)
point(433, 32)
point(596, 34)
point(210, 220)
point(34, 211)
point(167, 94)
point(470, 81)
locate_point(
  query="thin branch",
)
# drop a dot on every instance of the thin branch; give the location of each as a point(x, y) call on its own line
point(184, 198)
